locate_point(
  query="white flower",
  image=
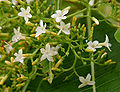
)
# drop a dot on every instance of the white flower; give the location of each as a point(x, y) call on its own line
point(8, 47)
point(106, 43)
point(19, 57)
point(64, 28)
point(0, 27)
point(60, 15)
point(25, 13)
point(85, 81)
point(18, 36)
point(95, 20)
point(49, 52)
point(40, 29)
point(29, 1)
point(91, 3)
point(14, 2)
point(93, 45)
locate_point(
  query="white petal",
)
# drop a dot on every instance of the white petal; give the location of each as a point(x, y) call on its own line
point(43, 57)
point(108, 48)
point(98, 47)
point(54, 53)
point(59, 32)
point(66, 31)
point(21, 61)
point(20, 14)
point(62, 24)
point(64, 17)
point(42, 50)
point(89, 43)
point(82, 79)
point(54, 16)
point(30, 16)
point(93, 49)
point(68, 25)
point(95, 43)
point(82, 85)
point(28, 9)
point(37, 34)
point(18, 29)
point(45, 25)
point(88, 77)
point(59, 12)
point(91, 83)
point(20, 51)
point(50, 59)
point(65, 12)
point(22, 9)
point(26, 19)
point(91, 3)
point(41, 23)
point(47, 47)
point(15, 31)
point(107, 39)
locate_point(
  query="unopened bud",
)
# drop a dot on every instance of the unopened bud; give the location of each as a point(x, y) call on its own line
point(12, 59)
point(103, 55)
point(29, 23)
point(53, 33)
point(8, 63)
point(95, 20)
point(107, 62)
point(89, 50)
point(74, 20)
point(27, 55)
point(67, 8)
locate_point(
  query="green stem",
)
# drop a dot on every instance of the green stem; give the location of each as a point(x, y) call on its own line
point(76, 13)
point(89, 33)
point(28, 81)
point(58, 4)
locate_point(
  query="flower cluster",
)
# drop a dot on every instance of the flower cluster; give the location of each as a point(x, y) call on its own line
point(49, 42)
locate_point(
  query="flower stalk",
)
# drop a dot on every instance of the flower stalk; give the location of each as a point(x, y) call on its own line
point(89, 33)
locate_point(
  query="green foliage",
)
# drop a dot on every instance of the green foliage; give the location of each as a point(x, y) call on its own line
point(117, 35)
point(73, 59)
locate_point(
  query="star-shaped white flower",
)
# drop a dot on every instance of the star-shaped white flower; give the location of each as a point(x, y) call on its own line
point(64, 28)
point(19, 57)
point(60, 15)
point(40, 29)
point(93, 45)
point(29, 1)
point(106, 43)
point(8, 47)
point(25, 13)
point(85, 81)
point(49, 52)
point(18, 36)
point(91, 3)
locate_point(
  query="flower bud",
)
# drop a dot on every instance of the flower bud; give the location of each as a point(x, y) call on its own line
point(8, 62)
point(95, 20)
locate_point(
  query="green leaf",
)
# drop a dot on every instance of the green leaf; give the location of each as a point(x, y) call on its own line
point(117, 35)
point(45, 65)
